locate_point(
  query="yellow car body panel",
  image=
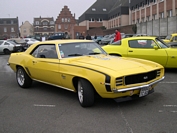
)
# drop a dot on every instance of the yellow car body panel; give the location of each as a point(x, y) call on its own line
point(164, 56)
point(171, 38)
point(100, 70)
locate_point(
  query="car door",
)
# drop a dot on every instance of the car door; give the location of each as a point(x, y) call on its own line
point(172, 58)
point(1, 45)
point(144, 49)
point(44, 64)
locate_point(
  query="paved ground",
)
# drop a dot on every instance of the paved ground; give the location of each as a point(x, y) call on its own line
point(47, 109)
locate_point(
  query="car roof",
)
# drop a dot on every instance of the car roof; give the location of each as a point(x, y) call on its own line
point(140, 37)
point(64, 41)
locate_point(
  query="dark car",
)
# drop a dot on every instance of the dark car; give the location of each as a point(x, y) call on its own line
point(20, 41)
point(60, 35)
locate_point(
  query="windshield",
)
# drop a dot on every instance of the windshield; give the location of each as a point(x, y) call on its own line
point(12, 42)
point(80, 49)
point(161, 43)
point(168, 37)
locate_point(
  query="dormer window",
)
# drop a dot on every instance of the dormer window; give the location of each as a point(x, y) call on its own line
point(93, 9)
point(104, 9)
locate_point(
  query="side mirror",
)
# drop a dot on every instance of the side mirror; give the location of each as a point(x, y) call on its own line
point(156, 47)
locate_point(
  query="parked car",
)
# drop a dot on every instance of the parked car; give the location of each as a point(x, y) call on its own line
point(82, 66)
point(172, 44)
point(7, 47)
point(30, 41)
point(106, 39)
point(171, 38)
point(21, 42)
point(59, 35)
point(98, 39)
point(149, 48)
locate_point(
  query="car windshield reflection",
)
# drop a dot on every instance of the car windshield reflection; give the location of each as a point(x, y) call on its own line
point(80, 49)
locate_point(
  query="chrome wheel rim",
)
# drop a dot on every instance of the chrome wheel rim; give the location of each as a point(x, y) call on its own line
point(80, 92)
point(20, 77)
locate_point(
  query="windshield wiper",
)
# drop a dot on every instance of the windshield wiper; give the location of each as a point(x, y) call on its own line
point(75, 54)
point(94, 53)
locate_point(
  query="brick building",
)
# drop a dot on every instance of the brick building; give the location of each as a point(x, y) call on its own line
point(67, 23)
point(9, 28)
point(147, 10)
point(44, 26)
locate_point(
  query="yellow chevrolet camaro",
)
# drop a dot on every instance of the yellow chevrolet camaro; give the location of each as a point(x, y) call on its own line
point(148, 48)
point(82, 66)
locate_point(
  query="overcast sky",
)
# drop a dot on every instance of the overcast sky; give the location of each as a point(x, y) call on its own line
point(26, 10)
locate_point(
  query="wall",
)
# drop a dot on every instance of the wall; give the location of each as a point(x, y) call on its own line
point(159, 27)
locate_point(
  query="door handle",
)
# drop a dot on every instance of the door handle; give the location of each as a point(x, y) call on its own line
point(130, 51)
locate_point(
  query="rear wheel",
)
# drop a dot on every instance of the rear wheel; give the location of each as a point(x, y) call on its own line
point(85, 93)
point(6, 51)
point(22, 78)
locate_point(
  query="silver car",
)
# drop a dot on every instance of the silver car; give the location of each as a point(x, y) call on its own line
point(7, 47)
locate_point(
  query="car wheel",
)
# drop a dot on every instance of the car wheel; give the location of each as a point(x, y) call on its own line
point(6, 51)
point(85, 93)
point(22, 78)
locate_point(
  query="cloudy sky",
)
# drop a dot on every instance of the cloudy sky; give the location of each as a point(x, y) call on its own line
point(26, 10)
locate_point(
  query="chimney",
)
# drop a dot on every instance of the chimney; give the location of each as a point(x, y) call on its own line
point(74, 15)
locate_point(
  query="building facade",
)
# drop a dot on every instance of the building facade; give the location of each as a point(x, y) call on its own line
point(44, 26)
point(9, 28)
point(148, 10)
point(65, 22)
point(26, 29)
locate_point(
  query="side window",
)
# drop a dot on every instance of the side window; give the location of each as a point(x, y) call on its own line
point(45, 51)
point(6, 43)
point(174, 39)
point(144, 44)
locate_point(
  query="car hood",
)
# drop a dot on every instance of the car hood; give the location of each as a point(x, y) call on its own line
point(113, 64)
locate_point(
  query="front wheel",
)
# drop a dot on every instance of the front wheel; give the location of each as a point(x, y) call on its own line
point(85, 93)
point(22, 78)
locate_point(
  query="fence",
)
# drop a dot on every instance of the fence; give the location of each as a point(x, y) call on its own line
point(158, 27)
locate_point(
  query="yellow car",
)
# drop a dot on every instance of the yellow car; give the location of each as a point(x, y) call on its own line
point(149, 48)
point(171, 38)
point(82, 66)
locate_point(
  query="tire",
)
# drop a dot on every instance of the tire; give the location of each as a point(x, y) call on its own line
point(86, 94)
point(6, 51)
point(23, 80)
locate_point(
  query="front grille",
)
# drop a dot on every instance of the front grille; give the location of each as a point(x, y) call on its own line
point(141, 78)
point(119, 81)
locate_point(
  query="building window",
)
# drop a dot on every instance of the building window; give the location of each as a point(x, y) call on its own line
point(68, 19)
point(147, 18)
point(45, 28)
point(12, 22)
point(45, 23)
point(170, 13)
point(12, 29)
point(51, 22)
point(37, 22)
point(93, 9)
point(5, 29)
point(104, 9)
point(154, 1)
point(59, 26)
point(66, 26)
point(91, 19)
point(161, 15)
point(161, 0)
point(154, 16)
point(24, 30)
point(62, 20)
point(37, 28)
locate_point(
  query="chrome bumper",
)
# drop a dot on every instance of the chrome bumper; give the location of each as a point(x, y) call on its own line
point(137, 87)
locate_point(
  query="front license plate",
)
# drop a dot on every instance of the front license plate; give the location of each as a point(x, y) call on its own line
point(144, 91)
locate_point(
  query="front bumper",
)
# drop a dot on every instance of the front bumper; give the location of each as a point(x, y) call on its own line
point(137, 87)
point(128, 98)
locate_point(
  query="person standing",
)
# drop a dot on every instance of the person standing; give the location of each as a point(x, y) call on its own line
point(81, 36)
point(88, 37)
point(117, 36)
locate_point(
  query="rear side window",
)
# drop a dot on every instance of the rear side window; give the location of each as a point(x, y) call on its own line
point(1, 42)
point(45, 51)
point(144, 44)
